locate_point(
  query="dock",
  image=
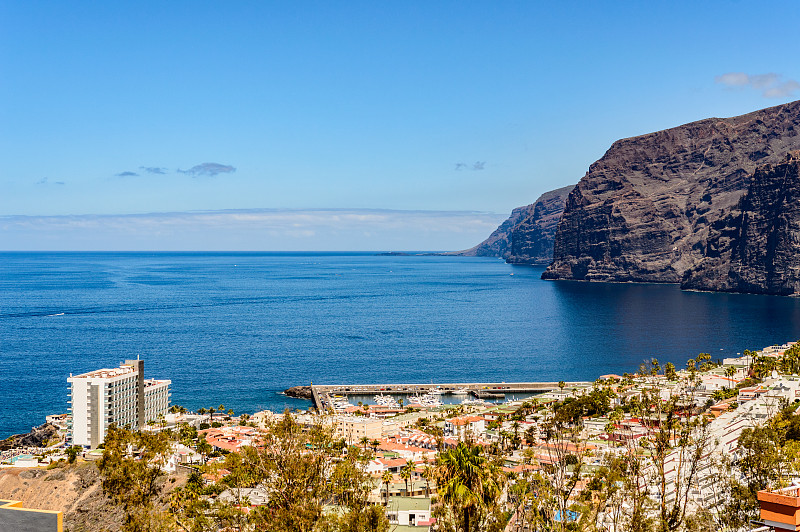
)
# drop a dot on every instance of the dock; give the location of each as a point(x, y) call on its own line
point(480, 390)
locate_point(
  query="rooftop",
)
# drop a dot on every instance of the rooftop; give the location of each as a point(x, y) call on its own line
point(404, 504)
point(105, 373)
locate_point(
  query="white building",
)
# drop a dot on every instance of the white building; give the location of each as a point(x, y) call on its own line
point(120, 395)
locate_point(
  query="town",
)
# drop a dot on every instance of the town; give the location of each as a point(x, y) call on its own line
point(712, 446)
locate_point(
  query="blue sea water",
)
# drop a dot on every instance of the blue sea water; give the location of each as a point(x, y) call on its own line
point(237, 328)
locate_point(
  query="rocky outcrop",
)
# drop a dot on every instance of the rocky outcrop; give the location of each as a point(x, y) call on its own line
point(644, 211)
point(37, 437)
point(756, 247)
point(526, 237)
point(532, 239)
point(299, 392)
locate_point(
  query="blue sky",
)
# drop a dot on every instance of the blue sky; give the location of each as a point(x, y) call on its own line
point(474, 107)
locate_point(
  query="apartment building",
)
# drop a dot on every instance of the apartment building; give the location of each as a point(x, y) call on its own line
point(119, 395)
point(352, 429)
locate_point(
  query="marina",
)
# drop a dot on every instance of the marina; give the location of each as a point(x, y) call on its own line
point(338, 397)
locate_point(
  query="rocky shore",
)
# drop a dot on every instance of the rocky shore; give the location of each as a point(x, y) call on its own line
point(37, 437)
point(299, 392)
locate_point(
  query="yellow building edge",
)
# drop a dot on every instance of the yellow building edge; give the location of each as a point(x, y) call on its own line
point(6, 504)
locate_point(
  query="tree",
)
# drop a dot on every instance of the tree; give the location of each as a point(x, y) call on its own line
point(469, 486)
point(405, 474)
point(565, 451)
point(387, 479)
point(204, 448)
point(303, 469)
point(678, 448)
point(131, 473)
point(427, 474)
point(72, 453)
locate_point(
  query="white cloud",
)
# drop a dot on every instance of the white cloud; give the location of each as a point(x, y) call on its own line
point(252, 230)
point(771, 85)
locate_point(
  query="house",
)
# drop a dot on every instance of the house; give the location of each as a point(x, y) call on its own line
point(410, 512)
point(463, 427)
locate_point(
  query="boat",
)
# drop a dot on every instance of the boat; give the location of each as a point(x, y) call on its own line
point(386, 400)
point(461, 391)
point(476, 402)
point(426, 401)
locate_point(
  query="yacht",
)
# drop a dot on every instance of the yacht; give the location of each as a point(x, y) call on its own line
point(386, 400)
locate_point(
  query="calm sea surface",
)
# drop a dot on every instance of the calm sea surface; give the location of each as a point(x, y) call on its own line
point(239, 328)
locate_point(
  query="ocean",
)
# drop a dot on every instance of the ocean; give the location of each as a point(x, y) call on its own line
point(238, 328)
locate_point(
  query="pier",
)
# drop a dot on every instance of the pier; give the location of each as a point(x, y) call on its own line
point(480, 390)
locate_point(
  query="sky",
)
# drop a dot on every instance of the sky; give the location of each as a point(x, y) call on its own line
point(259, 125)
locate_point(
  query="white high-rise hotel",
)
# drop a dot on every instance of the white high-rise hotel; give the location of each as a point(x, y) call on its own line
point(120, 395)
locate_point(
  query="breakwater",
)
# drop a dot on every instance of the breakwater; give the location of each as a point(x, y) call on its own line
point(319, 393)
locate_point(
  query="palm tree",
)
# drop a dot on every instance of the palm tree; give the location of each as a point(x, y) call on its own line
point(504, 437)
point(364, 442)
point(204, 448)
point(561, 385)
point(374, 444)
point(530, 435)
point(467, 482)
point(427, 474)
point(387, 478)
point(729, 372)
point(405, 474)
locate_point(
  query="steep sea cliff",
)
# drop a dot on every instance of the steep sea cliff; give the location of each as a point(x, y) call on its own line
point(644, 211)
point(708, 205)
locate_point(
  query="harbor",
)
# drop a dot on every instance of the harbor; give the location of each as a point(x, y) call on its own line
point(337, 396)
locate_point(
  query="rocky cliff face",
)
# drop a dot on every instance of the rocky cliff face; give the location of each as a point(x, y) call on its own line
point(756, 247)
point(37, 437)
point(644, 211)
point(532, 238)
point(527, 236)
point(499, 242)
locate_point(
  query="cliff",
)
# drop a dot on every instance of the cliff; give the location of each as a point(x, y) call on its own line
point(756, 247)
point(645, 210)
point(532, 239)
point(499, 242)
point(527, 236)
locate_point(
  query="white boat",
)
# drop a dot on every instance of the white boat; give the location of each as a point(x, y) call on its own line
point(477, 402)
point(461, 391)
point(428, 400)
point(386, 400)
